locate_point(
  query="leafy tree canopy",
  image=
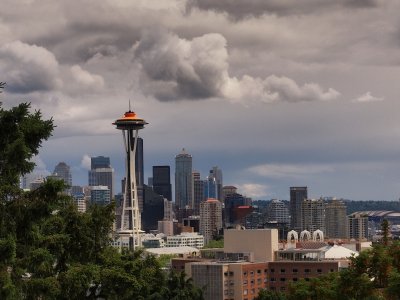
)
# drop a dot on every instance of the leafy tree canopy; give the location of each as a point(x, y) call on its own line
point(49, 250)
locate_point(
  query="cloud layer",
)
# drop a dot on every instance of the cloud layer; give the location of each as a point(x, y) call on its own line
point(179, 69)
point(201, 73)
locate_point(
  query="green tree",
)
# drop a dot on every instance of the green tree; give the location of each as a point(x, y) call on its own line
point(181, 288)
point(393, 288)
point(49, 250)
point(270, 295)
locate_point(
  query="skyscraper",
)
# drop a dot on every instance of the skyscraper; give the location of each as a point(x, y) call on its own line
point(198, 192)
point(100, 162)
point(210, 218)
point(216, 174)
point(278, 212)
point(100, 195)
point(313, 215)
point(335, 219)
point(101, 173)
point(210, 188)
point(63, 171)
point(130, 226)
point(183, 179)
point(297, 195)
point(162, 181)
point(357, 226)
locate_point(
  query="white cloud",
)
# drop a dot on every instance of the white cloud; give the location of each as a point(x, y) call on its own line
point(85, 78)
point(253, 190)
point(367, 97)
point(40, 167)
point(274, 88)
point(177, 69)
point(290, 170)
point(86, 162)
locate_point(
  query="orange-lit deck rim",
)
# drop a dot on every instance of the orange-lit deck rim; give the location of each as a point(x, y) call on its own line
point(130, 118)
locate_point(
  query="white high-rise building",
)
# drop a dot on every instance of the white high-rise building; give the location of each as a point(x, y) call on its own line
point(278, 212)
point(313, 215)
point(357, 225)
point(210, 218)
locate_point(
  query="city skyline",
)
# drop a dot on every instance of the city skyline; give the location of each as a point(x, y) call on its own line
point(311, 85)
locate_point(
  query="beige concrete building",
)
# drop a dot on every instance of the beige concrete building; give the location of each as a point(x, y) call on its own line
point(335, 219)
point(244, 280)
point(357, 225)
point(210, 218)
point(313, 215)
point(262, 242)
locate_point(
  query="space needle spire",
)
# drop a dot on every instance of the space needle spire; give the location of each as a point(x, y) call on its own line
point(130, 227)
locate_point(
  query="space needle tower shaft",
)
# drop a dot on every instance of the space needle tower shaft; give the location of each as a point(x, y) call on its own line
point(130, 227)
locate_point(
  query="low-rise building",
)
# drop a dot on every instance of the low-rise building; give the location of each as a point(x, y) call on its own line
point(191, 239)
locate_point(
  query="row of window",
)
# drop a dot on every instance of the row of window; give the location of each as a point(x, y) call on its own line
point(251, 273)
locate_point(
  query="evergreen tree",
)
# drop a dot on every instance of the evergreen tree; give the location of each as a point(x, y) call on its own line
point(49, 250)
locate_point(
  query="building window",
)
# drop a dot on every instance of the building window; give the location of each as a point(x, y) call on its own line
point(258, 271)
point(295, 279)
point(259, 281)
point(244, 292)
point(283, 279)
point(265, 270)
point(272, 270)
point(319, 271)
point(245, 282)
point(283, 270)
point(251, 273)
point(295, 270)
point(244, 273)
point(252, 281)
point(283, 288)
point(272, 279)
point(307, 270)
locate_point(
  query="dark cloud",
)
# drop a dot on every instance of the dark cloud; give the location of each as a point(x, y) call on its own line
point(241, 9)
point(28, 68)
point(178, 68)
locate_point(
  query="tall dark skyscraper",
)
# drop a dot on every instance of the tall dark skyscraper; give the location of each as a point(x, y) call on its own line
point(139, 162)
point(215, 178)
point(183, 180)
point(100, 162)
point(63, 171)
point(198, 192)
point(297, 195)
point(101, 173)
point(162, 181)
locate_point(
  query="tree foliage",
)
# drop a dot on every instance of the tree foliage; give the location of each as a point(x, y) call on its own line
point(49, 250)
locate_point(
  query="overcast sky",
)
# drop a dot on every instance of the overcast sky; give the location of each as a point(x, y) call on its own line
point(277, 93)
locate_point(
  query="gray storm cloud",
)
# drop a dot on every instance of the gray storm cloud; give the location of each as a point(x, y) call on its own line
point(242, 9)
point(178, 69)
point(28, 68)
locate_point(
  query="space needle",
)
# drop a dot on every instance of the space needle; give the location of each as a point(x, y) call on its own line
point(130, 227)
